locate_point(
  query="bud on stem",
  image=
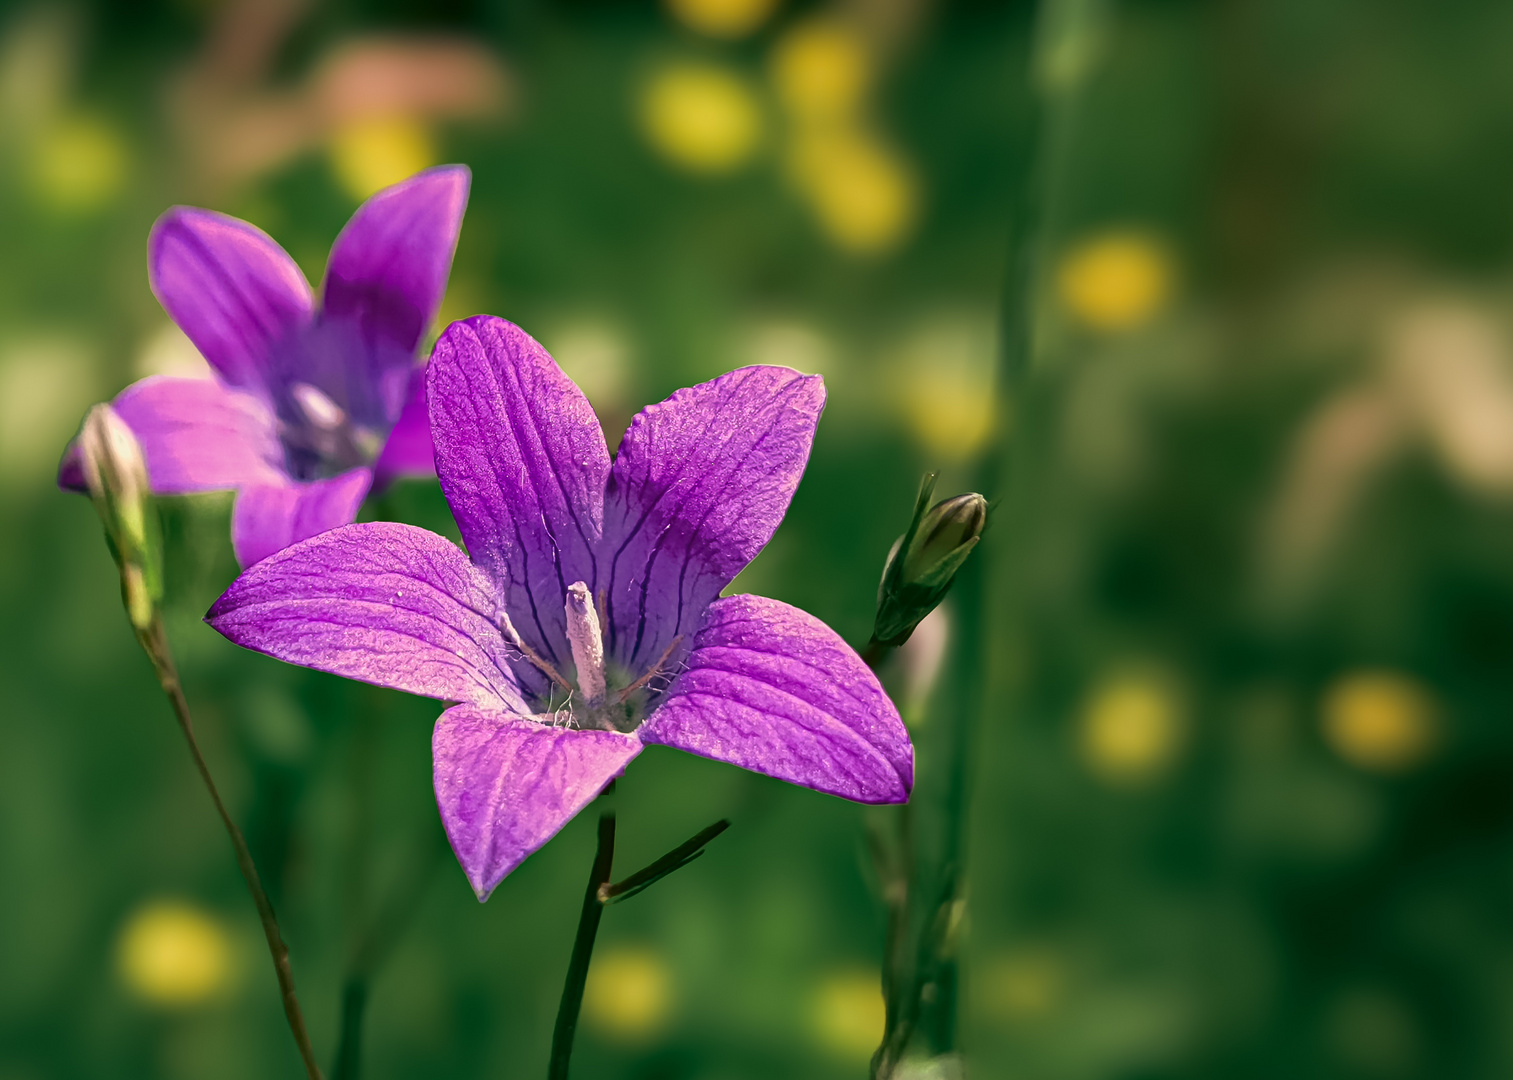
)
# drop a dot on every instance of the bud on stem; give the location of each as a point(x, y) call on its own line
point(116, 473)
point(924, 561)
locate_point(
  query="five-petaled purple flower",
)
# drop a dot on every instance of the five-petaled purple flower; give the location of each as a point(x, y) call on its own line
point(309, 407)
point(586, 620)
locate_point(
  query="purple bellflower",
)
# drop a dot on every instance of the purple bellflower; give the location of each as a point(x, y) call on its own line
point(309, 407)
point(586, 619)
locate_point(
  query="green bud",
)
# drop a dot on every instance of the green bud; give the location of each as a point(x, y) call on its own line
point(924, 561)
point(944, 539)
point(116, 473)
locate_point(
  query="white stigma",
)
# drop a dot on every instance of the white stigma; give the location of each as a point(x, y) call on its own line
point(588, 643)
point(319, 409)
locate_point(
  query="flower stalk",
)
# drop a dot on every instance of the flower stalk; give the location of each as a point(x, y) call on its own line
point(919, 965)
point(601, 893)
point(116, 474)
point(583, 951)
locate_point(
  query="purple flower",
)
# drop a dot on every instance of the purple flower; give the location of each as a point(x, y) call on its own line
point(586, 620)
point(309, 407)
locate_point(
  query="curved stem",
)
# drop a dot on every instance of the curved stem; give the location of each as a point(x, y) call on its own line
point(583, 951)
point(154, 642)
point(354, 1000)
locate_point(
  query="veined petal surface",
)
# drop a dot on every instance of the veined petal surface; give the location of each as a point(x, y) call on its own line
point(522, 461)
point(235, 292)
point(700, 484)
point(196, 434)
point(385, 603)
point(270, 516)
point(773, 689)
point(506, 784)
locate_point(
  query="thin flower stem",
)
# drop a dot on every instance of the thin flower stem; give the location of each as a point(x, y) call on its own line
point(676, 859)
point(583, 951)
point(354, 1000)
point(372, 948)
point(894, 858)
point(154, 642)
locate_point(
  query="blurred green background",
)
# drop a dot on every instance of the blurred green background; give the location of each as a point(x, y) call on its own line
point(1242, 785)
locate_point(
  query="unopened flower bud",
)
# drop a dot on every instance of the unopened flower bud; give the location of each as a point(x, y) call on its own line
point(946, 536)
point(924, 561)
point(116, 473)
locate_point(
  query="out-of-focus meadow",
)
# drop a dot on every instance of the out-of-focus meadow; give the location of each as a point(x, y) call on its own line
point(1241, 792)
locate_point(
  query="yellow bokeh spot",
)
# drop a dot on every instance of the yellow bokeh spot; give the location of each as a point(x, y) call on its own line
point(369, 155)
point(847, 1014)
point(1132, 727)
point(822, 70)
point(1380, 720)
point(952, 416)
point(173, 954)
point(78, 166)
point(1117, 281)
point(629, 993)
point(863, 194)
point(727, 19)
point(702, 118)
point(944, 382)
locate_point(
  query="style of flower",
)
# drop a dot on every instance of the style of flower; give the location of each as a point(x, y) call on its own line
point(586, 621)
point(309, 407)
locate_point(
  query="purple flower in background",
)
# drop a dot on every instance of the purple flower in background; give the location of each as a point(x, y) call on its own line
point(586, 620)
point(309, 407)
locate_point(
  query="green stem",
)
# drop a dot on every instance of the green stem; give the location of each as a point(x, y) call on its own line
point(373, 945)
point(583, 951)
point(154, 642)
point(354, 1000)
point(875, 653)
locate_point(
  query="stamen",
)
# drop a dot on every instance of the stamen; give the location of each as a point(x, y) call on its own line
point(319, 409)
point(584, 636)
point(655, 670)
point(513, 637)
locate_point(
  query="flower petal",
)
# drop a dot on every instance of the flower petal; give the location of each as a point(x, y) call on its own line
point(385, 603)
point(506, 784)
point(234, 291)
point(700, 483)
point(522, 461)
point(388, 268)
point(772, 689)
point(196, 434)
point(269, 517)
point(409, 450)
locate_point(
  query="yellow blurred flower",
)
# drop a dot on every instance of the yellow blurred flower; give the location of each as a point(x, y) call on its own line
point(863, 193)
point(1116, 281)
point(847, 1013)
point(728, 19)
point(173, 954)
point(701, 117)
point(1380, 720)
point(944, 382)
point(370, 154)
point(1132, 727)
point(78, 166)
point(822, 70)
point(629, 993)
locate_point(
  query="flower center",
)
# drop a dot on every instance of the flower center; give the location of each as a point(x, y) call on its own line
point(320, 438)
point(606, 699)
